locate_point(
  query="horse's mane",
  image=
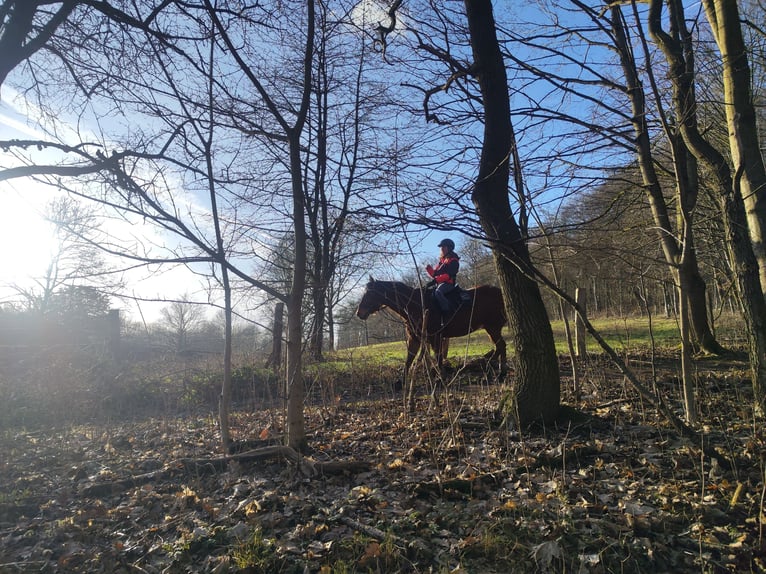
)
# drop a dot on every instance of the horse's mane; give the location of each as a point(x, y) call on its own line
point(398, 285)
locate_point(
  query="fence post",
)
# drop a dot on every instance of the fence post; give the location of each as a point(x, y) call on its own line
point(580, 334)
point(113, 332)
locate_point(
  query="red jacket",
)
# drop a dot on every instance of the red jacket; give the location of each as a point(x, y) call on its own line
point(446, 270)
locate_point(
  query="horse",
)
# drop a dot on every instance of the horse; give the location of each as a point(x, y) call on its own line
point(484, 308)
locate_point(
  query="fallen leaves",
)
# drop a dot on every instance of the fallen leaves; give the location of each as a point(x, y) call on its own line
point(444, 490)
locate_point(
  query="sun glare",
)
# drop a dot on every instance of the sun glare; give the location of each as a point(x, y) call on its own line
point(369, 13)
point(27, 239)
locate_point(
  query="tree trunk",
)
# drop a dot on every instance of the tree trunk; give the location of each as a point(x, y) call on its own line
point(296, 432)
point(580, 334)
point(697, 304)
point(296, 391)
point(316, 339)
point(537, 390)
point(723, 16)
point(224, 407)
point(743, 261)
point(330, 328)
point(690, 407)
point(275, 358)
point(678, 256)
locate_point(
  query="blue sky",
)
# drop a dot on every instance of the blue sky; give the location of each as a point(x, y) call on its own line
point(26, 200)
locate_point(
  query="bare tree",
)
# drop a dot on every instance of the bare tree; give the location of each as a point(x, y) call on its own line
point(335, 133)
point(537, 390)
point(677, 242)
point(75, 261)
point(181, 318)
point(290, 121)
point(728, 184)
point(744, 144)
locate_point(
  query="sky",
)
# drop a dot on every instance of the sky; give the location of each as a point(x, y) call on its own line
point(25, 237)
point(27, 240)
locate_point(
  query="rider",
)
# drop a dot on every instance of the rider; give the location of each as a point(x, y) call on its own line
point(444, 274)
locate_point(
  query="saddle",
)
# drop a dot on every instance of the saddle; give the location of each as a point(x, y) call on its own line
point(456, 298)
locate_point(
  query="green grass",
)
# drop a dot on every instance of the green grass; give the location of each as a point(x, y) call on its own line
point(620, 333)
point(625, 333)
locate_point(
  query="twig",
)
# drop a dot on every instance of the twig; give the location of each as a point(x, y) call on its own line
point(378, 534)
point(306, 466)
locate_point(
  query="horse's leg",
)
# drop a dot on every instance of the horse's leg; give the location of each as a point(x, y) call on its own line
point(436, 343)
point(500, 350)
point(413, 344)
point(444, 348)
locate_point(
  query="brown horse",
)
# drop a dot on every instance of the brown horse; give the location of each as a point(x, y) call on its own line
point(484, 309)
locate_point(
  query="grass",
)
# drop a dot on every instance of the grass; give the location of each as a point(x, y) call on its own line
point(622, 333)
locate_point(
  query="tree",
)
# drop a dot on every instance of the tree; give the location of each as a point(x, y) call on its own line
point(724, 19)
point(78, 302)
point(181, 318)
point(335, 133)
point(677, 242)
point(77, 276)
point(742, 255)
point(147, 175)
point(537, 390)
point(290, 122)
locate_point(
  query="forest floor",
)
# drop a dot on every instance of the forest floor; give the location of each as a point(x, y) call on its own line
point(450, 489)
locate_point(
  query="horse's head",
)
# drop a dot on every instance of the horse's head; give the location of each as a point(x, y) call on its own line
point(372, 300)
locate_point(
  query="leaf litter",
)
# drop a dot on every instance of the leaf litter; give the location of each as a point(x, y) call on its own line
point(447, 489)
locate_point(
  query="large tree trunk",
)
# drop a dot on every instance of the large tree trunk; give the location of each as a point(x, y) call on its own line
point(537, 390)
point(696, 297)
point(723, 16)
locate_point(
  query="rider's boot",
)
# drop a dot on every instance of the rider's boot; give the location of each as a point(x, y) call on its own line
point(443, 315)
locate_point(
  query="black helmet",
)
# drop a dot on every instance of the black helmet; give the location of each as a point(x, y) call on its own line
point(448, 243)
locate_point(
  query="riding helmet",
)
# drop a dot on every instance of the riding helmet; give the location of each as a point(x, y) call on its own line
point(447, 243)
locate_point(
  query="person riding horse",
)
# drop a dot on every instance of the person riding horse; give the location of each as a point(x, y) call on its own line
point(444, 276)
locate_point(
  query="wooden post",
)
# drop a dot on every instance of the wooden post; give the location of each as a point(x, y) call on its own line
point(113, 332)
point(580, 333)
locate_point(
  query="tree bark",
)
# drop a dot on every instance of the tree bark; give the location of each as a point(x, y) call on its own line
point(723, 16)
point(678, 253)
point(743, 260)
point(296, 391)
point(275, 358)
point(537, 390)
point(580, 335)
